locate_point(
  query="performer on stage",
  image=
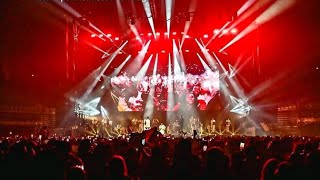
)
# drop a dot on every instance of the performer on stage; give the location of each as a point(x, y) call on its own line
point(212, 125)
point(181, 122)
point(176, 127)
point(146, 123)
point(228, 123)
point(140, 123)
point(162, 128)
point(155, 122)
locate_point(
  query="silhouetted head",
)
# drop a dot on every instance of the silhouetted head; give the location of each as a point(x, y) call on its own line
point(268, 169)
point(118, 166)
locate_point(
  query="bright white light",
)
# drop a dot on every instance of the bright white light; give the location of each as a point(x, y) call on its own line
point(117, 70)
point(163, 51)
point(158, 34)
point(225, 31)
point(109, 35)
point(90, 107)
point(241, 106)
point(102, 87)
point(174, 33)
point(168, 14)
point(187, 50)
point(104, 112)
point(216, 31)
point(234, 31)
point(149, 34)
point(274, 10)
point(147, 8)
point(93, 35)
point(116, 38)
point(100, 35)
point(231, 71)
point(205, 36)
point(143, 70)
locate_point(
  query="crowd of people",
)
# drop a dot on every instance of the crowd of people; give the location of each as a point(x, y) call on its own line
point(149, 155)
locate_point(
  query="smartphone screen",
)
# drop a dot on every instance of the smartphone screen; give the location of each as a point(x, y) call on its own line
point(143, 142)
point(241, 145)
point(204, 148)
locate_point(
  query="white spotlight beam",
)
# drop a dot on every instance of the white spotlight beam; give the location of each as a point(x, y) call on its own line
point(149, 105)
point(90, 108)
point(274, 10)
point(179, 54)
point(215, 35)
point(168, 15)
point(147, 8)
point(104, 112)
point(240, 106)
point(142, 72)
point(192, 9)
point(136, 63)
point(245, 6)
point(204, 64)
point(208, 57)
point(236, 86)
point(176, 57)
point(118, 69)
point(248, 9)
point(121, 15)
point(136, 33)
point(170, 100)
point(106, 53)
point(102, 69)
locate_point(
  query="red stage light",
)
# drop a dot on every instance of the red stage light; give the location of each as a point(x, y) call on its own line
point(93, 35)
point(108, 35)
point(187, 36)
point(100, 35)
point(116, 38)
point(149, 34)
point(158, 34)
point(205, 36)
point(234, 31)
point(174, 33)
point(163, 51)
point(187, 50)
point(137, 38)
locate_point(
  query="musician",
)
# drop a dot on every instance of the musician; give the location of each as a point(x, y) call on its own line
point(135, 125)
point(155, 122)
point(212, 125)
point(162, 128)
point(181, 121)
point(176, 126)
point(228, 123)
point(140, 123)
point(146, 123)
point(169, 129)
point(117, 129)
